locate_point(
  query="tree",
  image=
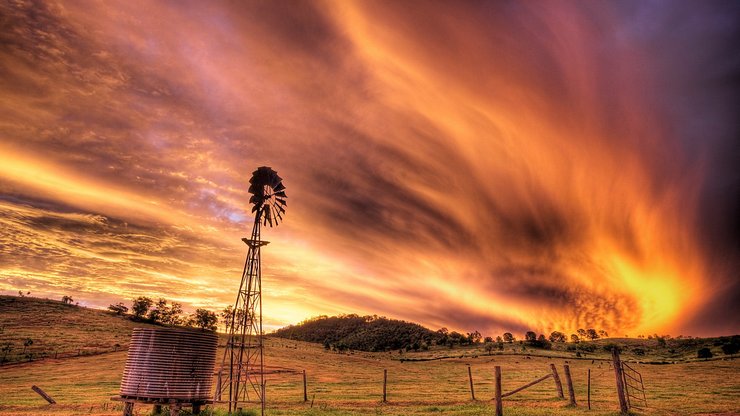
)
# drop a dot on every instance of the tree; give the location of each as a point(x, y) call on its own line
point(731, 348)
point(140, 306)
point(27, 343)
point(542, 342)
point(530, 337)
point(581, 333)
point(118, 309)
point(6, 350)
point(603, 334)
point(704, 353)
point(203, 319)
point(592, 334)
point(488, 346)
point(474, 337)
point(557, 336)
point(67, 300)
point(442, 336)
point(574, 338)
point(499, 339)
point(508, 337)
point(226, 316)
point(166, 315)
point(488, 339)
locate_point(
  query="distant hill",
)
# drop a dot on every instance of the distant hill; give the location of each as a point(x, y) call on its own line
point(366, 333)
point(55, 328)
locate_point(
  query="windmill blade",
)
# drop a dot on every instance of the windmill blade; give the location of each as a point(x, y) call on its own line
point(280, 187)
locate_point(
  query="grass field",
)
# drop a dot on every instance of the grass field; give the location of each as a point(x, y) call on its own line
point(351, 384)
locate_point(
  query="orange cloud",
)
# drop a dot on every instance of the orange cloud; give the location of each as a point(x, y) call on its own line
point(480, 166)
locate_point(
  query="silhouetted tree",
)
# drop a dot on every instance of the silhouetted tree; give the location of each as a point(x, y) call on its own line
point(27, 343)
point(203, 319)
point(581, 333)
point(557, 336)
point(164, 314)
point(530, 336)
point(488, 346)
point(704, 353)
point(592, 334)
point(118, 309)
point(542, 342)
point(140, 306)
point(508, 337)
point(603, 334)
point(474, 337)
point(488, 339)
point(732, 346)
point(574, 338)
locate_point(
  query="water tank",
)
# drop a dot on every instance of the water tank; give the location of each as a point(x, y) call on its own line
point(170, 363)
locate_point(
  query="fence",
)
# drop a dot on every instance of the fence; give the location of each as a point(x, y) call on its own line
point(40, 353)
point(633, 387)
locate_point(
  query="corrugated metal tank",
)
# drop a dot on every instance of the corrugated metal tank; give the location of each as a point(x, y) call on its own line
point(170, 363)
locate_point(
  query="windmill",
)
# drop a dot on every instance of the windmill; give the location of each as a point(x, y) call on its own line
point(243, 364)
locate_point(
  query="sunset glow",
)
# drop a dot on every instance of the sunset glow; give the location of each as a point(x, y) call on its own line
point(476, 166)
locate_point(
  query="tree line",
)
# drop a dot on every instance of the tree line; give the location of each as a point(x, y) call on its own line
point(162, 312)
point(373, 333)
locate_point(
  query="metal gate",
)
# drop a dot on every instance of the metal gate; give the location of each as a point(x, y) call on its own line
point(633, 387)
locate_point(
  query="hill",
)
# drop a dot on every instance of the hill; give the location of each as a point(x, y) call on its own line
point(365, 333)
point(58, 329)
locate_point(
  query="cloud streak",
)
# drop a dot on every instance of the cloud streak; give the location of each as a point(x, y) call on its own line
point(490, 166)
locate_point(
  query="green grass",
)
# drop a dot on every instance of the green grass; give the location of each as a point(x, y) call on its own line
point(56, 328)
point(351, 384)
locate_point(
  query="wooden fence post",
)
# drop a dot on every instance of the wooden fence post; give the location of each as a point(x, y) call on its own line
point(499, 404)
point(470, 378)
point(558, 384)
point(589, 389)
point(217, 394)
point(43, 394)
point(385, 382)
point(305, 393)
point(623, 407)
point(569, 381)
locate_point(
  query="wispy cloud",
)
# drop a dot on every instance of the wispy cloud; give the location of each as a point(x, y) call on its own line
point(482, 166)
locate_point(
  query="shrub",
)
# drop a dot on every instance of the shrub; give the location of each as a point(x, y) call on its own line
point(118, 309)
point(731, 348)
point(704, 353)
point(611, 346)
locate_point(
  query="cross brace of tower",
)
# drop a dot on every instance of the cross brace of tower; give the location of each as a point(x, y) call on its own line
point(243, 361)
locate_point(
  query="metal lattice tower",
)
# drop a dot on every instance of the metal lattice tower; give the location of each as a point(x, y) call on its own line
point(242, 374)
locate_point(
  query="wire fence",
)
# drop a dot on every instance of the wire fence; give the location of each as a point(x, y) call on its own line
point(41, 353)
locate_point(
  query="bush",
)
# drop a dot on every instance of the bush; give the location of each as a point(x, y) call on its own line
point(704, 353)
point(731, 348)
point(586, 347)
point(639, 351)
point(118, 309)
point(611, 346)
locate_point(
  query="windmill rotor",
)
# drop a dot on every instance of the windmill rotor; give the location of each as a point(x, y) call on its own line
point(268, 196)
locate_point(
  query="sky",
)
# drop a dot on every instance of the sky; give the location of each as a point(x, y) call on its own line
point(493, 166)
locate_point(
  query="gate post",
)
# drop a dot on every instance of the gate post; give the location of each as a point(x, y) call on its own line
point(623, 407)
